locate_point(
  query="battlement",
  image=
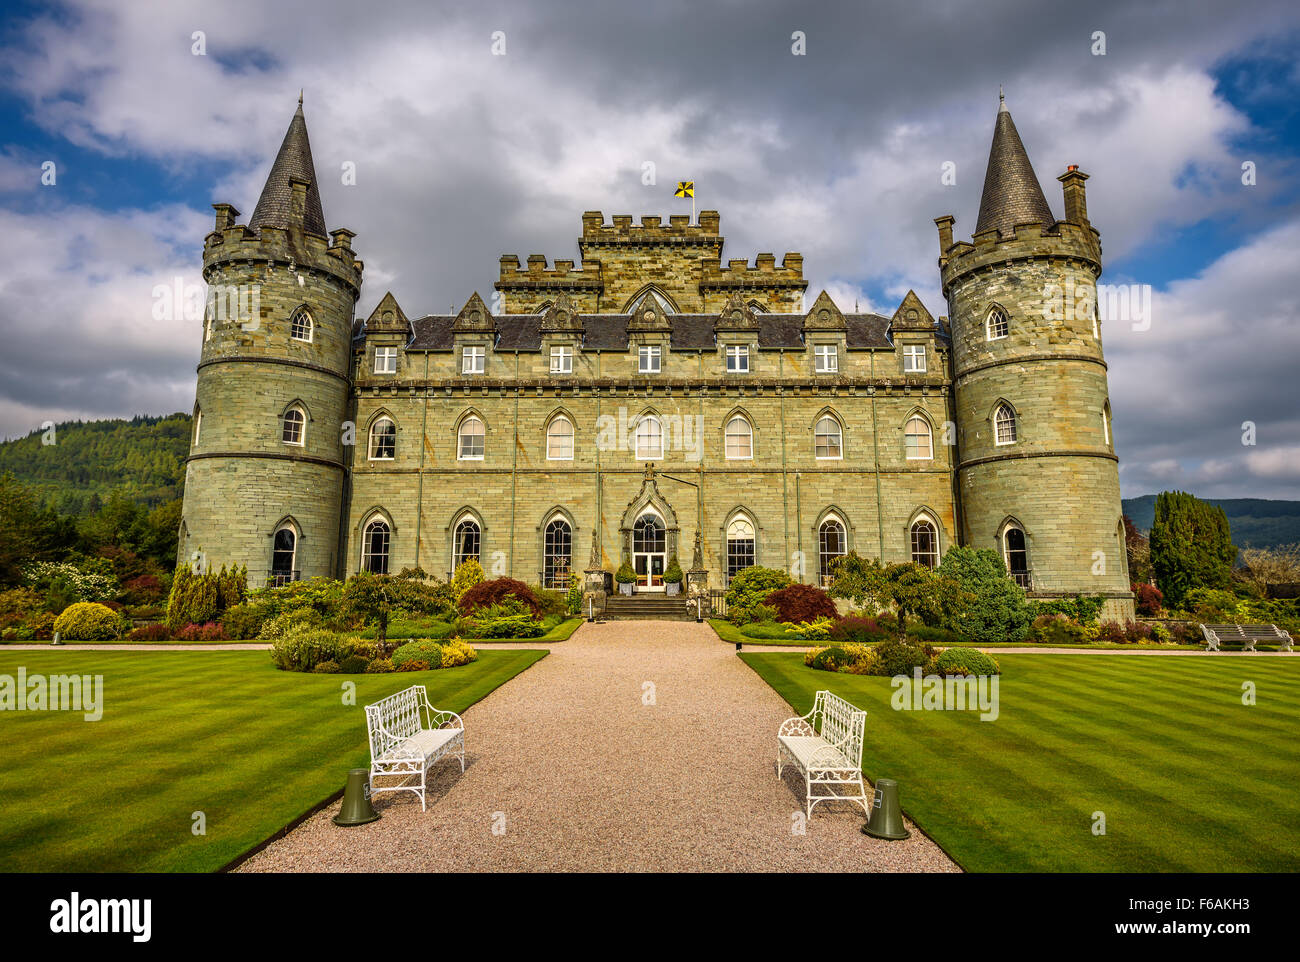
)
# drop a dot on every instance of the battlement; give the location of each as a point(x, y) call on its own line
point(651, 231)
point(763, 272)
point(537, 275)
point(231, 243)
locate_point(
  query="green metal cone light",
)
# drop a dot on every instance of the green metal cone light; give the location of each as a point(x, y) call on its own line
point(356, 809)
point(886, 813)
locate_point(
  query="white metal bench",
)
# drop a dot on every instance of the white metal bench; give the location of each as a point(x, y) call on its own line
point(1245, 635)
point(825, 745)
point(402, 744)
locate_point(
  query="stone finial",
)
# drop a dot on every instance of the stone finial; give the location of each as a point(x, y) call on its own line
point(593, 563)
point(697, 559)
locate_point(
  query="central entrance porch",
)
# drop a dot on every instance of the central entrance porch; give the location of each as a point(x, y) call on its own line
point(649, 534)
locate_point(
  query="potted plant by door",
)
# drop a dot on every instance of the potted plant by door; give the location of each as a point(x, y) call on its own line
point(673, 577)
point(626, 578)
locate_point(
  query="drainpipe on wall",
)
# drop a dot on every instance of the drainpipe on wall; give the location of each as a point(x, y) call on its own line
point(785, 497)
point(514, 462)
point(875, 447)
point(424, 439)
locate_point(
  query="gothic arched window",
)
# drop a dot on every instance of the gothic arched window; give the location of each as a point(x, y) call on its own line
point(925, 542)
point(471, 439)
point(383, 440)
point(739, 439)
point(374, 547)
point(559, 439)
point(293, 426)
point(301, 326)
point(557, 554)
point(1004, 424)
point(831, 546)
point(917, 440)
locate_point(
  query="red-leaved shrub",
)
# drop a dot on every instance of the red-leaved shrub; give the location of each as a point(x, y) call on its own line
point(494, 592)
point(158, 632)
point(1149, 600)
point(859, 631)
point(801, 603)
point(212, 631)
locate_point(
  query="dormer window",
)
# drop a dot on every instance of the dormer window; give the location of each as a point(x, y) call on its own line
point(914, 359)
point(737, 358)
point(648, 357)
point(473, 359)
point(561, 360)
point(826, 359)
point(385, 360)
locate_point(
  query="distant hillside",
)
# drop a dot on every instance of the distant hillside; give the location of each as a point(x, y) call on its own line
point(142, 458)
point(1254, 522)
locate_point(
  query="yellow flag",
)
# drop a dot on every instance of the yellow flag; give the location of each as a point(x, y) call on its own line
point(685, 188)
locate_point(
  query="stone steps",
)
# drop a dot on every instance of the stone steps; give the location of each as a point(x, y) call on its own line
point(647, 608)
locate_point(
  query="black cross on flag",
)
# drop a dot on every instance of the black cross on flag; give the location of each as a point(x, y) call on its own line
point(685, 188)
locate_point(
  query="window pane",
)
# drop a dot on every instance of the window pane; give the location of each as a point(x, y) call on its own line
point(925, 544)
point(559, 440)
point(739, 439)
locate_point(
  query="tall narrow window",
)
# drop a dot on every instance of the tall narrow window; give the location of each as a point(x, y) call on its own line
point(1004, 424)
point(831, 546)
point(374, 548)
point(558, 554)
point(300, 325)
point(997, 324)
point(467, 542)
point(383, 440)
point(740, 545)
point(293, 425)
point(925, 543)
point(1017, 555)
point(385, 360)
point(471, 439)
point(649, 439)
point(559, 439)
point(827, 439)
point(917, 439)
point(284, 552)
point(1105, 422)
point(198, 424)
point(740, 439)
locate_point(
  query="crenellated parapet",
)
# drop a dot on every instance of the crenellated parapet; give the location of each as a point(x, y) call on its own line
point(234, 248)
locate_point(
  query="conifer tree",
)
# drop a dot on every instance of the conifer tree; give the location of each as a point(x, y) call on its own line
point(1191, 546)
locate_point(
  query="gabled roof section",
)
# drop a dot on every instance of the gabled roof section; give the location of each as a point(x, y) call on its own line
point(293, 162)
point(474, 317)
point(387, 316)
point(1012, 194)
point(824, 315)
point(736, 316)
point(561, 318)
point(911, 315)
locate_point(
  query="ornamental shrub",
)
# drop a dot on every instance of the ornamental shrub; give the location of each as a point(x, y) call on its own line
point(831, 658)
point(673, 575)
point(425, 651)
point(1112, 632)
point(456, 653)
point(494, 592)
point(326, 668)
point(549, 601)
point(286, 624)
point(1058, 630)
point(158, 632)
point(1148, 600)
point(212, 631)
point(468, 573)
point(801, 603)
point(354, 664)
point(380, 666)
point(626, 574)
point(244, 620)
point(965, 661)
point(858, 630)
point(88, 621)
point(507, 620)
point(992, 609)
point(750, 588)
point(415, 664)
point(305, 649)
point(819, 629)
point(900, 657)
point(573, 600)
point(1137, 633)
point(1081, 608)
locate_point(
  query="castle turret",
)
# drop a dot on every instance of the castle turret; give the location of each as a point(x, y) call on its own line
point(264, 482)
point(1038, 478)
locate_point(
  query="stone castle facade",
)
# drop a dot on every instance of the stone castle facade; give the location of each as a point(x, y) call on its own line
point(651, 402)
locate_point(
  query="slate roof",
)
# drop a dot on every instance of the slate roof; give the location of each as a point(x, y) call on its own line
point(690, 332)
point(292, 162)
point(1012, 194)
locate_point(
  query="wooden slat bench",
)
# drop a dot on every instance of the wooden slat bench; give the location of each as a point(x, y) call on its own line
point(826, 746)
point(407, 736)
point(1247, 635)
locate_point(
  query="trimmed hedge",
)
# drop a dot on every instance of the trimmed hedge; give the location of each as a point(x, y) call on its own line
point(88, 621)
point(965, 661)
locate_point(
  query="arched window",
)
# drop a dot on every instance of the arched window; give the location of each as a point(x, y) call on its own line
point(925, 542)
point(739, 439)
point(374, 547)
point(827, 439)
point(649, 439)
point(300, 325)
point(1017, 555)
point(467, 542)
point(1004, 424)
point(559, 439)
point(831, 546)
point(740, 545)
point(917, 439)
point(557, 554)
point(284, 552)
point(383, 440)
point(293, 426)
point(997, 325)
point(471, 439)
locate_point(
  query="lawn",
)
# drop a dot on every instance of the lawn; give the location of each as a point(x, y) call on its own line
point(729, 633)
point(224, 733)
point(1189, 779)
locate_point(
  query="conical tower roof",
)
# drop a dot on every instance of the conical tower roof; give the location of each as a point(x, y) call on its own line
point(293, 162)
point(1012, 194)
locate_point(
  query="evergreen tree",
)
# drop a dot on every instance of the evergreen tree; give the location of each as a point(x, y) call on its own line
point(1191, 546)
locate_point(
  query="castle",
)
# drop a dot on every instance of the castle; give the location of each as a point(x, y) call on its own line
point(652, 402)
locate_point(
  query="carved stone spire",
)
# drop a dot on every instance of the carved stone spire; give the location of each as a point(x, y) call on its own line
point(1011, 194)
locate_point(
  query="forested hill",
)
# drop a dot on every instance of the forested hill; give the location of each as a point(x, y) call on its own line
point(142, 458)
point(1254, 522)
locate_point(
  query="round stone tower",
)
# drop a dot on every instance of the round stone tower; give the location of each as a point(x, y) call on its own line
point(1037, 476)
point(264, 482)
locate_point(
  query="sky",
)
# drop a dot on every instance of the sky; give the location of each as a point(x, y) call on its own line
point(478, 129)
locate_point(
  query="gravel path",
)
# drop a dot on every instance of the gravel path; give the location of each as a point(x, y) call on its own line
point(582, 776)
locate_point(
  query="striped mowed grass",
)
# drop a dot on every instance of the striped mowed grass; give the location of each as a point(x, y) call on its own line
point(223, 733)
point(1187, 777)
